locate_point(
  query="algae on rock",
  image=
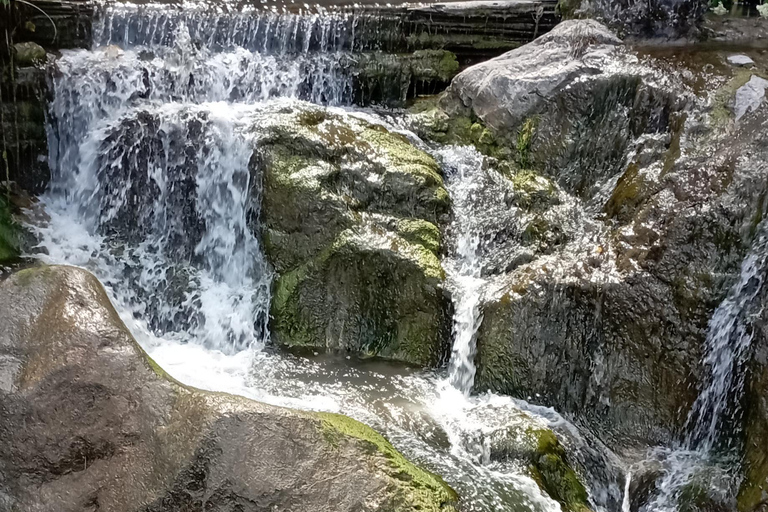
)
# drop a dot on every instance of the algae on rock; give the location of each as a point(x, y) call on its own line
point(350, 213)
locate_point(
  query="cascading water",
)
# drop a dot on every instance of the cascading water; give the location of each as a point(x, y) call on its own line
point(729, 336)
point(154, 189)
point(460, 164)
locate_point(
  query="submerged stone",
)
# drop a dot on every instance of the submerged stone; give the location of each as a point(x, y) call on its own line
point(91, 421)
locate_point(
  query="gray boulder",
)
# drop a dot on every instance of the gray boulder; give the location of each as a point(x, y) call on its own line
point(570, 103)
point(90, 422)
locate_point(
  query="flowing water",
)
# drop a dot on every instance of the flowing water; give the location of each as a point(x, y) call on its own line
point(151, 137)
point(706, 456)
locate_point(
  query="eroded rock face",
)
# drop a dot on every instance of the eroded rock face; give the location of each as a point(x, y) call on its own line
point(90, 422)
point(350, 215)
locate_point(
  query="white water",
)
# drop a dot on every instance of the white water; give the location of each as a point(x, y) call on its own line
point(705, 456)
point(462, 167)
point(152, 191)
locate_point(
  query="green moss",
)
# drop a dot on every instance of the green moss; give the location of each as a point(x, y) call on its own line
point(420, 232)
point(10, 234)
point(532, 190)
point(292, 326)
point(524, 140)
point(402, 155)
point(421, 490)
point(434, 65)
point(435, 124)
point(553, 473)
point(627, 194)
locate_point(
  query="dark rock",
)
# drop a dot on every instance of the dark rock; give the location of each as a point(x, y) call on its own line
point(670, 19)
point(10, 237)
point(89, 422)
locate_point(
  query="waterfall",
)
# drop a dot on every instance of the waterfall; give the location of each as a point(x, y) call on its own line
point(154, 188)
point(462, 167)
point(267, 30)
point(729, 335)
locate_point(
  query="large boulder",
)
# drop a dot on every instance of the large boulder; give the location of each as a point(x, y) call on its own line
point(579, 90)
point(632, 194)
point(350, 213)
point(90, 422)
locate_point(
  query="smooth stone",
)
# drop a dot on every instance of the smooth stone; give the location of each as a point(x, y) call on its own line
point(740, 60)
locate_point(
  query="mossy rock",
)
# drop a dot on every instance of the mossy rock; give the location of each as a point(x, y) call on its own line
point(552, 471)
point(350, 213)
point(422, 490)
point(539, 447)
point(375, 294)
point(28, 54)
point(434, 123)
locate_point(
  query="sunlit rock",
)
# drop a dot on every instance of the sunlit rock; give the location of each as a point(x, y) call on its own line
point(350, 213)
point(91, 421)
point(749, 96)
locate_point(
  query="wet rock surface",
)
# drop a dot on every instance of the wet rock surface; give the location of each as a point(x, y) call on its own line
point(662, 198)
point(582, 93)
point(90, 422)
point(350, 213)
point(659, 19)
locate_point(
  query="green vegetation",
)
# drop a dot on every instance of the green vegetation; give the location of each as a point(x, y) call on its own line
point(524, 139)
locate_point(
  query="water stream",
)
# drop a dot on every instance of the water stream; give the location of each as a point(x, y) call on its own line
point(151, 141)
point(708, 454)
